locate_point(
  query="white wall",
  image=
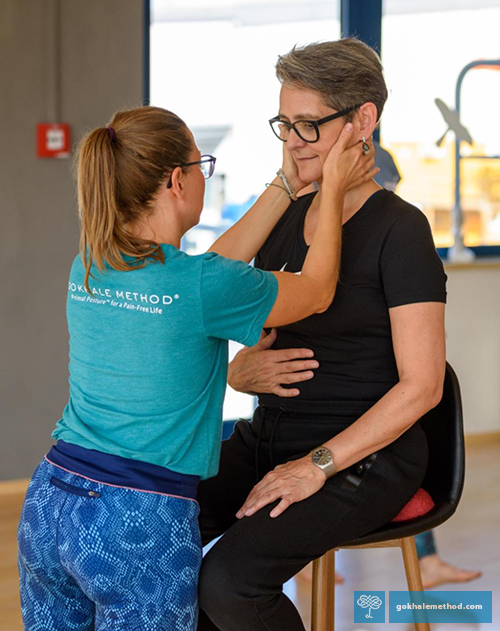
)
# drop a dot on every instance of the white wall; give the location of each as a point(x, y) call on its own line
point(473, 341)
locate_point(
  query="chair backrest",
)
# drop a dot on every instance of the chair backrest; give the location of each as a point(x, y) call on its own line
point(443, 427)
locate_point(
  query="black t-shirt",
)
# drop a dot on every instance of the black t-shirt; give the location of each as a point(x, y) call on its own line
point(388, 259)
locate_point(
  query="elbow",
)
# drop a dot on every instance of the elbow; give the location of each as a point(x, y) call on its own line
point(431, 395)
point(325, 299)
point(435, 396)
point(423, 395)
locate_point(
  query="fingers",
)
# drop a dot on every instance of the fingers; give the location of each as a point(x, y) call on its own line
point(298, 366)
point(298, 371)
point(364, 178)
point(255, 503)
point(290, 354)
point(266, 341)
point(282, 506)
point(344, 138)
point(365, 169)
point(263, 335)
point(258, 498)
point(293, 377)
point(357, 150)
point(371, 174)
point(263, 499)
point(289, 378)
point(363, 164)
point(285, 393)
point(290, 482)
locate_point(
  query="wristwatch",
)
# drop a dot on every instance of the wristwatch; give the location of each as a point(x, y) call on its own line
point(322, 457)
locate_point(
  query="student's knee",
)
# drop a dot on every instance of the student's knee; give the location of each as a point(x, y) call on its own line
point(223, 593)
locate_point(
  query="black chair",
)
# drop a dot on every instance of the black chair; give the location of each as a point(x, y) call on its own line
point(444, 481)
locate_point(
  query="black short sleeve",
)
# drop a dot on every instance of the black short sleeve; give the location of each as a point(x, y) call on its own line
point(410, 267)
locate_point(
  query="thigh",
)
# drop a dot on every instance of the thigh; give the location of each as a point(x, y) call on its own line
point(220, 497)
point(260, 553)
point(50, 598)
point(136, 554)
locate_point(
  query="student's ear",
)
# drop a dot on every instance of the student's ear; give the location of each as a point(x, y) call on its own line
point(366, 120)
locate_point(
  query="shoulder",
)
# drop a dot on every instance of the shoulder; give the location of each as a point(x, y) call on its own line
point(77, 270)
point(393, 208)
point(400, 221)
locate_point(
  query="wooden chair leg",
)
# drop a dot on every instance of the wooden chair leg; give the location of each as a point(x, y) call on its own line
point(323, 593)
point(413, 576)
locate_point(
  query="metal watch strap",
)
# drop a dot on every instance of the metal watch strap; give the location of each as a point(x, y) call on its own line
point(328, 468)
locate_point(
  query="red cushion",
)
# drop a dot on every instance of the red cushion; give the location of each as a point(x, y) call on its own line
point(419, 505)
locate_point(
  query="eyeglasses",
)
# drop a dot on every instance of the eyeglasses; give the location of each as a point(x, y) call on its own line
point(206, 163)
point(306, 130)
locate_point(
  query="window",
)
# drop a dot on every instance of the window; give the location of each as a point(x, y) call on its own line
point(423, 53)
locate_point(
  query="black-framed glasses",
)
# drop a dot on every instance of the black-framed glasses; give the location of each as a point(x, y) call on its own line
point(206, 164)
point(306, 130)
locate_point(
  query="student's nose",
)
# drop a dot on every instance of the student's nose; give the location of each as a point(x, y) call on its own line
point(294, 141)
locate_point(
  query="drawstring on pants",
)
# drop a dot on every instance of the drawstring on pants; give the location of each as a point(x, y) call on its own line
point(271, 442)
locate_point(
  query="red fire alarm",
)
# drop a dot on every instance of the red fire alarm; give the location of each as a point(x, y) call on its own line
point(53, 140)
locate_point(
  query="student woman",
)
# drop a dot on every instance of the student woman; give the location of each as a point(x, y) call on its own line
point(313, 471)
point(108, 537)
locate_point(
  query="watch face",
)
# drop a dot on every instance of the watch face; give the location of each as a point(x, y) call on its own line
point(322, 456)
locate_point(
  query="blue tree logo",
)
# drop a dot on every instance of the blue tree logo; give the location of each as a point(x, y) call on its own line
point(369, 602)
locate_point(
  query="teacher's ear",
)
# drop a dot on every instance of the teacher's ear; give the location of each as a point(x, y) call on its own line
point(176, 182)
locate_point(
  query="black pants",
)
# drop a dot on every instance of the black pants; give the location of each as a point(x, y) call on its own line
point(243, 574)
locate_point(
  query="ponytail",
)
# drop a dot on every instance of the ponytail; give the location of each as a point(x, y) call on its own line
point(120, 168)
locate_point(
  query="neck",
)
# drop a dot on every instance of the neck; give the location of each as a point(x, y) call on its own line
point(354, 198)
point(160, 226)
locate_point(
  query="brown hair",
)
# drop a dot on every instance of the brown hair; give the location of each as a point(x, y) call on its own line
point(346, 72)
point(119, 171)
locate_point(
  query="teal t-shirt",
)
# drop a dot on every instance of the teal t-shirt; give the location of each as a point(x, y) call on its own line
point(149, 353)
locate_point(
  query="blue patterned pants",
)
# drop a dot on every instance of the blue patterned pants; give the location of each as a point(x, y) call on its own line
point(97, 557)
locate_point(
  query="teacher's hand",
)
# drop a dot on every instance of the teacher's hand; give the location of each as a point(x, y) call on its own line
point(289, 167)
point(292, 482)
point(347, 167)
point(259, 369)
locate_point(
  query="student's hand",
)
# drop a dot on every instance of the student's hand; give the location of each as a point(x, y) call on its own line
point(348, 167)
point(258, 369)
point(293, 482)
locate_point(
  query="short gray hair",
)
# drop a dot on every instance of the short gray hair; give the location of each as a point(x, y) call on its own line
point(346, 72)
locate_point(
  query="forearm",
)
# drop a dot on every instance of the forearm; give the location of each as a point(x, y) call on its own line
point(383, 423)
point(243, 240)
point(322, 262)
